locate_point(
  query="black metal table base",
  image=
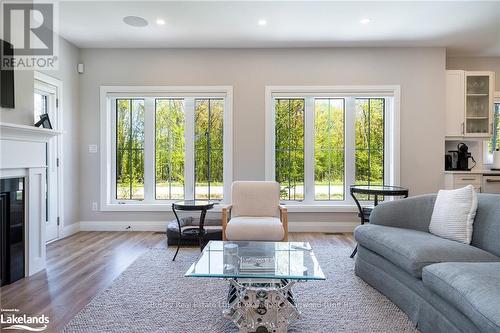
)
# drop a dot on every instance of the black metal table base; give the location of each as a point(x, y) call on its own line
point(354, 252)
point(375, 190)
point(199, 232)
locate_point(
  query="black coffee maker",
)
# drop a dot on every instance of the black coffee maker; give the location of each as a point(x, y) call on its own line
point(460, 158)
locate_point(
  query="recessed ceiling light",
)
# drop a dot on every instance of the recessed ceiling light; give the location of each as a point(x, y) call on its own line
point(135, 21)
point(262, 23)
point(365, 21)
point(160, 21)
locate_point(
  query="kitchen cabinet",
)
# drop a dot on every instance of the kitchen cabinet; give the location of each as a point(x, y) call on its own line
point(484, 181)
point(469, 103)
point(455, 103)
point(458, 180)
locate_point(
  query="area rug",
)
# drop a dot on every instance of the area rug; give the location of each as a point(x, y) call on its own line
point(153, 295)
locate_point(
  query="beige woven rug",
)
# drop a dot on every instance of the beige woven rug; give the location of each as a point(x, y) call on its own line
point(153, 295)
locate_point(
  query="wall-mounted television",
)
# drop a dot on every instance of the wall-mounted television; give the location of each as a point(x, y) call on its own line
point(7, 96)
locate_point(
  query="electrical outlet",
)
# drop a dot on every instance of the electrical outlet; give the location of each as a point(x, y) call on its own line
point(93, 149)
point(94, 206)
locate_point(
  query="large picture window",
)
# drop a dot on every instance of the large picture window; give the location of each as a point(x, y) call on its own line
point(165, 145)
point(323, 141)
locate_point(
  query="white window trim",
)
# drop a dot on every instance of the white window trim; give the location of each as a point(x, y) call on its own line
point(107, 172)
point(487, 157)
point(392, 140)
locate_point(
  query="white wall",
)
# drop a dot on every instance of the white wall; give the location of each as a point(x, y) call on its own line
point(23, 114)
point(67, 73)
point(476, 64)
point(23, 92)
point(419, 71)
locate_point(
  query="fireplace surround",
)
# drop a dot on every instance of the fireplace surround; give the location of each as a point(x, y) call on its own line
point(23, 150)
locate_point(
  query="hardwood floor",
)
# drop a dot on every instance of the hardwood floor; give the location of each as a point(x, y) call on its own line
point(80, 266)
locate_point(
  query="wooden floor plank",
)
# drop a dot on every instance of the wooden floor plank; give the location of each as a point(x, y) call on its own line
point(80, 266)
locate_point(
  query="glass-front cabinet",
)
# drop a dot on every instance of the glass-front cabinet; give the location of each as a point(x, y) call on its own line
point(478, 103)
point(469, 103)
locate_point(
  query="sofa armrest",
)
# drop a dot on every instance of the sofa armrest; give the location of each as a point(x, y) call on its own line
point(411, 213)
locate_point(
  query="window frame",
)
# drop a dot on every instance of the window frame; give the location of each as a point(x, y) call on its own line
point(108, 96)
point(392, 95)
point(487, 156)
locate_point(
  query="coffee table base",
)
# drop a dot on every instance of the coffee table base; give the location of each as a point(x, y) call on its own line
point(262, 306)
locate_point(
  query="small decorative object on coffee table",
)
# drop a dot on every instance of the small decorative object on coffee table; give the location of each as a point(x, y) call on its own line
point(198, 232)
point(261, 276)
point(375, 190)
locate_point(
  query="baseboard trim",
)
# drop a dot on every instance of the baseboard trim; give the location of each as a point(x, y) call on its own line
point(161, 226)
point(70, 229)
point(123, 225)
point(331, 227)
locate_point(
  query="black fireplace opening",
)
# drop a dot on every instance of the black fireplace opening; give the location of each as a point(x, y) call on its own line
point(11, 230)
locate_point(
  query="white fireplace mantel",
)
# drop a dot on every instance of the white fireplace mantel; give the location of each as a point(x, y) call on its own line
point(23, 154)
point(10, 131)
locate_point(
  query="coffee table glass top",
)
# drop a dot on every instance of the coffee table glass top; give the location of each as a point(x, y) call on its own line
point(259, 260)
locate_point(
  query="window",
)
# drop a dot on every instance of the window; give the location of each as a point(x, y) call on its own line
point(494, 143)
point(209, 156)
point(162, 144)
point(130, 149)
point(169, 149)
point(329, 149)
point(319, 142)
point(289, 147)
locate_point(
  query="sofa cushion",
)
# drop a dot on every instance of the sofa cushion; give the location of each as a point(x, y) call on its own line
point(473, 288)
point(454, 213)
point(255, 228)
point(412, 250)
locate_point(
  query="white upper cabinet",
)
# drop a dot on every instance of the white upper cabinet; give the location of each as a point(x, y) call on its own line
point(455, 103)
point(469, 103)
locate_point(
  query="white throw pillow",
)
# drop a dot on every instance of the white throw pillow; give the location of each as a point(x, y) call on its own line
point(454, 213)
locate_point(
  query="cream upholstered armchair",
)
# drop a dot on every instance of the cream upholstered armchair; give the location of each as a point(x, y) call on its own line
point(255, 213)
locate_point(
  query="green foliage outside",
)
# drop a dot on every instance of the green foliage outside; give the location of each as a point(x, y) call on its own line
point(169, 149)
point(289, 147)
point(209, 116)
point(329, 147)
point(130, 149)
point(494, 143)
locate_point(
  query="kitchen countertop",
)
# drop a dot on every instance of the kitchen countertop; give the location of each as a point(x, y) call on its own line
point(474, 171)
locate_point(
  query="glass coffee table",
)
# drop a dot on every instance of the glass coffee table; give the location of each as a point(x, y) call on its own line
point(261, 276)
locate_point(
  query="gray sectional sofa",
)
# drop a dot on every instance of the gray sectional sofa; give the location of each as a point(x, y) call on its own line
point(442, 285)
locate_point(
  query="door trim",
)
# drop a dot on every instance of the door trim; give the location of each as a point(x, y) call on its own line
point(58, 84)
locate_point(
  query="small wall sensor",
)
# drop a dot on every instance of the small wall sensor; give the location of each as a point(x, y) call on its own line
point(80, 68)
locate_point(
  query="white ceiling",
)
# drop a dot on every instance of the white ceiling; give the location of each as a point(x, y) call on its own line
point(464, 28)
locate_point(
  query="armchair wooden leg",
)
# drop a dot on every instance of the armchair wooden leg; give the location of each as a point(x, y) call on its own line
point(224, 223)
point(284, 222)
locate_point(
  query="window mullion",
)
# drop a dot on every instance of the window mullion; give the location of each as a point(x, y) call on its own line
point(189, 128)
point(350, 146)
point(149, 149)
point(309, 150)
